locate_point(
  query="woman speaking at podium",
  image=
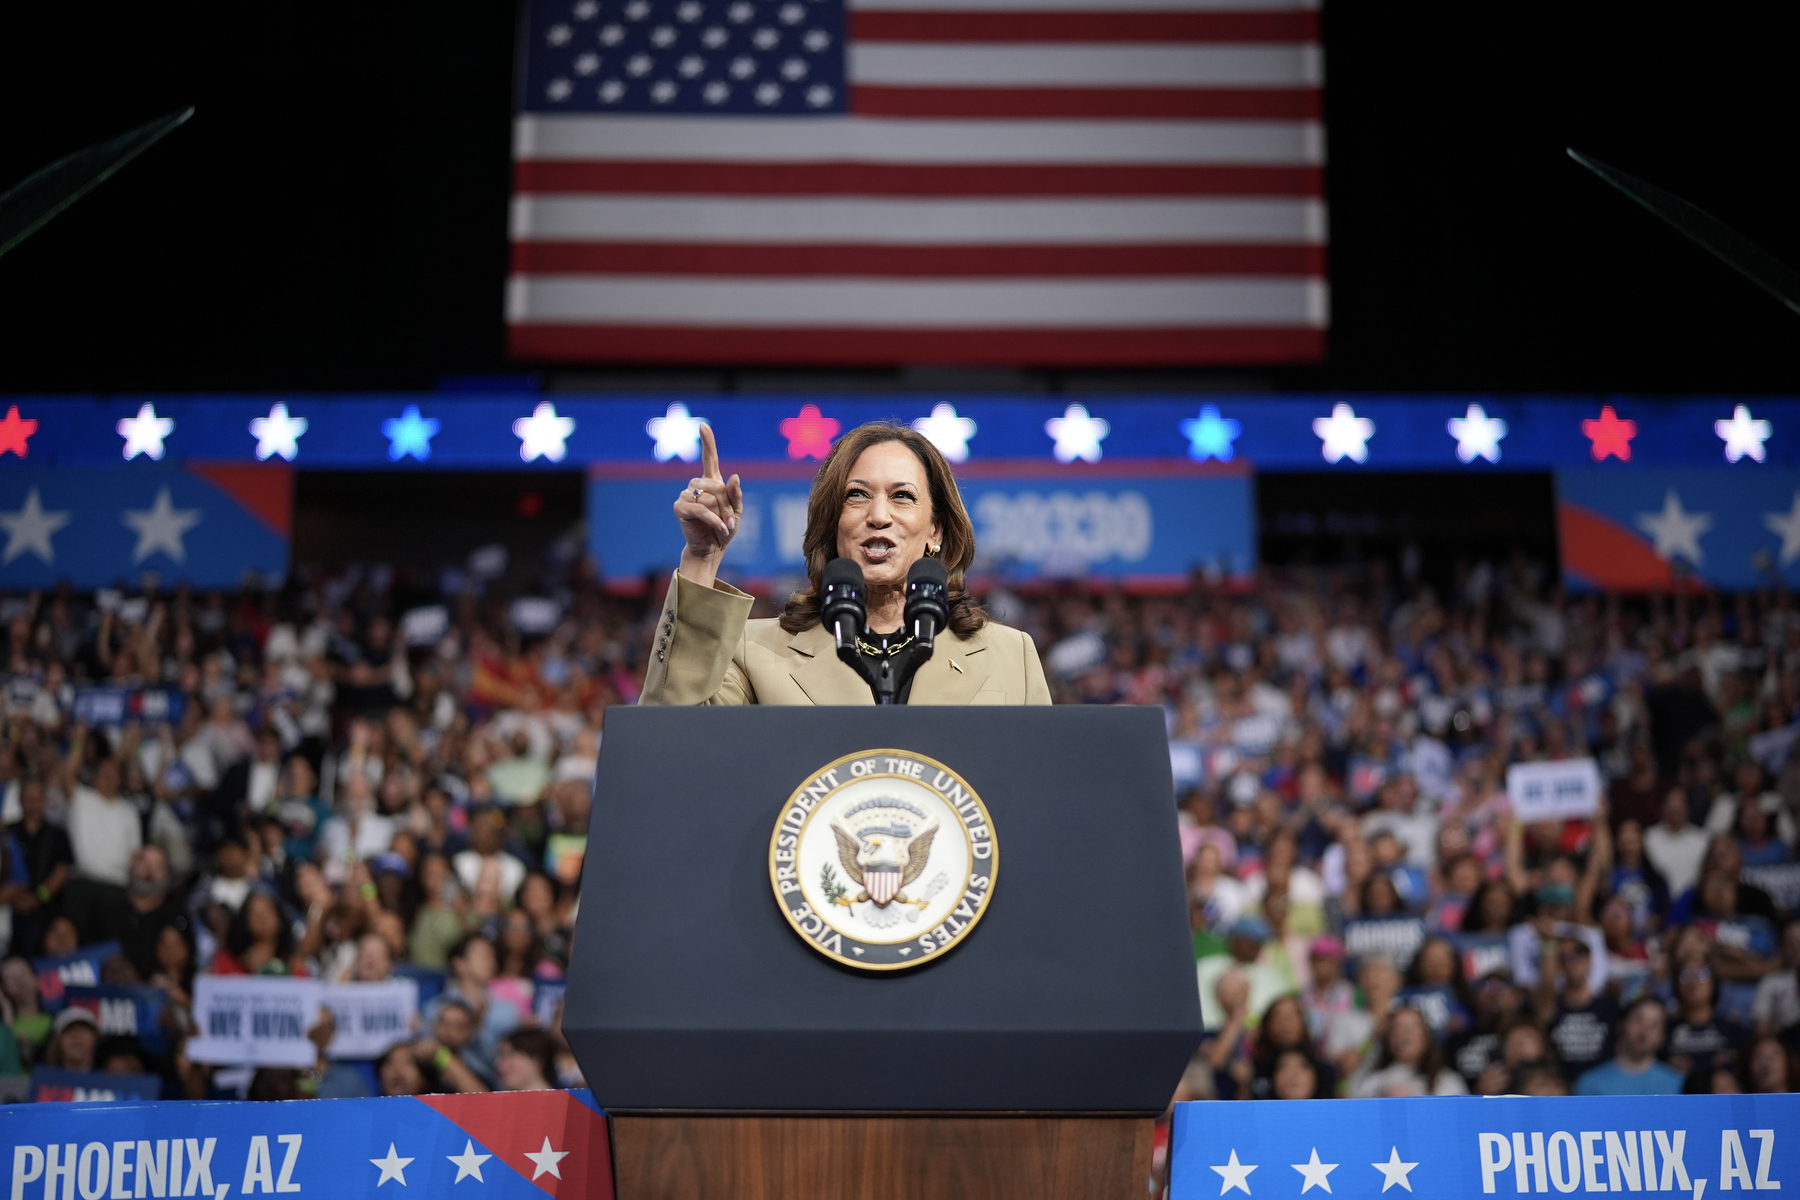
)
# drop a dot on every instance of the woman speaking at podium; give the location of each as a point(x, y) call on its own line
point(883, 498)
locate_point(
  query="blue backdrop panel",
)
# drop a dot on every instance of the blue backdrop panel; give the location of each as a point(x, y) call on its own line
point(1730, 528)
point(1143, 527)
point(100, 526)
point(1470, 1146)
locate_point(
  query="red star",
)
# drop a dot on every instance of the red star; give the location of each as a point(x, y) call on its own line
point(1610, 434)
point(14, 429)
point(809, 434)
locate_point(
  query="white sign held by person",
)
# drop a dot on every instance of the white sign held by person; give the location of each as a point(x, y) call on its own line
point(1554, 791)
point(370, 1017)
point(254, 1021)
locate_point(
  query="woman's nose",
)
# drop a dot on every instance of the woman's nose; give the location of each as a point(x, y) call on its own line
point(878, 513)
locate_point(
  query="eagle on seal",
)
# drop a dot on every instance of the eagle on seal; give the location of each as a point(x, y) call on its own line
point(882, 859)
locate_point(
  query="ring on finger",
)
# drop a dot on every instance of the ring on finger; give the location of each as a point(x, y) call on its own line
point(696, 493)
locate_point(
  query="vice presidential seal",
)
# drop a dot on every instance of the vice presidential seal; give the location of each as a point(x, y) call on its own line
point(883, 860)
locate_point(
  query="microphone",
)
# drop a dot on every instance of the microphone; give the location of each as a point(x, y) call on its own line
point(927, 600)
point(844, 606)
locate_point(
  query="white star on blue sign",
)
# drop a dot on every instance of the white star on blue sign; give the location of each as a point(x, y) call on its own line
point(1209, 435)
point(409, 433)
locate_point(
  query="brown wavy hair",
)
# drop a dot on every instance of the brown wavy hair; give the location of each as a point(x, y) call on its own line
point(826, 505)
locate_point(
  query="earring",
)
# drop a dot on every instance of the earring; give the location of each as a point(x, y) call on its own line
point(933, 549)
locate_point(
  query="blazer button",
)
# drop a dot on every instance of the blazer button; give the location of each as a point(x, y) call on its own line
point(659, 656)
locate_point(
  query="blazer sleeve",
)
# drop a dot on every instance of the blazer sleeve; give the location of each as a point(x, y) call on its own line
point(1037, 687)
point(698, 654)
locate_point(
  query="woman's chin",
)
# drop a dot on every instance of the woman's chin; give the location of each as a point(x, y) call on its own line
point(887, 572)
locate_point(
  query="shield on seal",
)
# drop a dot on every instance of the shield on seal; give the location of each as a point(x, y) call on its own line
point(883, 883)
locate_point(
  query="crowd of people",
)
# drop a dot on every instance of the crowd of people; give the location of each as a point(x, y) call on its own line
point(352, 781)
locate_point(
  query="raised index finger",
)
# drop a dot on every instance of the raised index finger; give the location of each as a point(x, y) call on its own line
point(709, 454)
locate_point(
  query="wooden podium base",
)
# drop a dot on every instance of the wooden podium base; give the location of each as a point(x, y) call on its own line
point(925, 1157)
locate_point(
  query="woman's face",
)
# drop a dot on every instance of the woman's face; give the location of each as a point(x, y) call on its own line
point(1496, 907)
point(1407, 1037)
point(262, 919)
point(886, 521)
point(1523, 1044)
point(400, 1075)
point(78, 1042)
point(536, 897)
point(171, 951)
point(1285, 1024)
point(517, 1072)
point(1437, 964)
point(1294, 1078)
point(515, 935)
point(1768, 1067)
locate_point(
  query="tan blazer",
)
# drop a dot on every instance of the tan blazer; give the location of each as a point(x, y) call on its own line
point(708, 651)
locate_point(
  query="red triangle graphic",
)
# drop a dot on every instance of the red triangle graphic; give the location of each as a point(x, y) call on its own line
point(514, 1125)
point(266, 490)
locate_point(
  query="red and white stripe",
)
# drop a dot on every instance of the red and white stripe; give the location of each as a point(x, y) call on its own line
point(1019, 181)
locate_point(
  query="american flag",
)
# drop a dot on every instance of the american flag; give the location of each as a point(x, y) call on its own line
point(945, 181)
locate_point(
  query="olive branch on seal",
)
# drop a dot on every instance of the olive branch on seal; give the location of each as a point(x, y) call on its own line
point(834, 891)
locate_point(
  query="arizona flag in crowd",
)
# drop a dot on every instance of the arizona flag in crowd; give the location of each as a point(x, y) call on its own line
point(867, 181)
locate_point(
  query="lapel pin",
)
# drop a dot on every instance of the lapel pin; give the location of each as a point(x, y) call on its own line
point(956, 666)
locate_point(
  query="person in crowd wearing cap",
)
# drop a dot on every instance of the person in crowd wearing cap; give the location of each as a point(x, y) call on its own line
point(1245, 941)
point(1579, 1018)
point(1328, 996)
point(73, 1040)
point(1494, 1003)
point(1634, 1069)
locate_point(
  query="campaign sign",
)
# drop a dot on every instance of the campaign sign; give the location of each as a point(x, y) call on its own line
point(1483, 954)
point(1146, 526)
point(1399, 938)
point(506, 1146)
point(80, 969)
point(1554, 791)
point(370, 1017)
point(1780, 880)
point(125, 1010)
point(254, 1020)
point(52, 1083)
point(1698, 1146)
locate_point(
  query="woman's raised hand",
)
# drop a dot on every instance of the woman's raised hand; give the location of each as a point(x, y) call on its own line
point(710, 509)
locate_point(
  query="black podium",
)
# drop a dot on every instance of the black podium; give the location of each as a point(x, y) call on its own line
point(736, 1060)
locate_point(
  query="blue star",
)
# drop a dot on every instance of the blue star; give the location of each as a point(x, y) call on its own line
point(1209, 435)
point(409, 433)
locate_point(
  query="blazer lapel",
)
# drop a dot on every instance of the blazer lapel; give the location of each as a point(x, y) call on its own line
point(954, 673)
point(820, 675)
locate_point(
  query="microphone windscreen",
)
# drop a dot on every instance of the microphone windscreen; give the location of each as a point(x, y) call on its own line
point(841, 571)
point(928, 570)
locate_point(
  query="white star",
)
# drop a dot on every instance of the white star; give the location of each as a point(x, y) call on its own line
point(546, 1160)
point(1077, 434)
point(1477, 435)
point(947, 431)
point(1676, 530)
point(145, 432)
point(1314, 1173)
point(1344, 434)
point(160, 527)
point(677, 434)
point(1742, 435)
point(469, 1163)
point(1395, 1170)
point(543, 433)
point(29, 529)
point(1786, 524)
point(277, 433)
point(1234, 1175)
point(392, 1167)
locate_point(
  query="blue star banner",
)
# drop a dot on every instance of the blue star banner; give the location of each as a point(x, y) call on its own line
point(1655, 529)
point(1484, 1146)
point(205, 524)
point(517, 1145)
point(1149, 527)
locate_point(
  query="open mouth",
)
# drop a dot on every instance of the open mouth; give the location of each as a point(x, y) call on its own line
point(878, 550)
